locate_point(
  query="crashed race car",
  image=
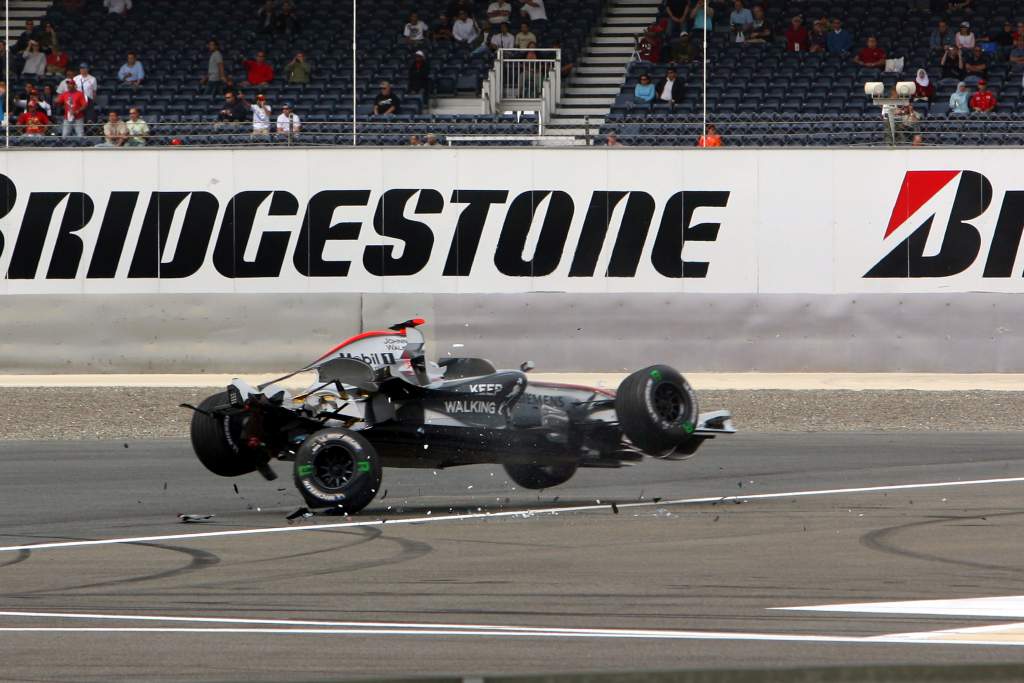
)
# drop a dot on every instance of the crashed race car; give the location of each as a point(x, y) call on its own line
point(377, 401)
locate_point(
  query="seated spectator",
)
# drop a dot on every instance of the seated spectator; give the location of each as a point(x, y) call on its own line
point(1017, 55)
point(3, 102)
point(984, 100)
point(288, 122)
point(33, 121)
point(442, 29)
point(432, 140)
point(386, 103)
point(74, 105)
point(456, 6)
point(711, 138)
point(965, 37)
point(839, 41)
point(415, 31)
point(683, 51)
point(534, 11)
point(941, 38)
point(260, 116)
point(115, 133)
point(48, 41)
point(797, 38)
point(568, 58)
point(235, 110)
point(414, 140)
point(464, 30)
point(498, 12)
point(612, 140)
point(118, 7)
point(759, 31)
point(502, 40)
point(56, 62)
point(35, 61)
point(30, 33)
point(959, 6)
point(871, 56)
point(419, 74)
point(138, 129)
point(670, 89)
point(918, 140)
point(69, 74)
point(46, 100)
point(525, 37)
point(819, 36)
point(975, 62)
point(1004, 38)
point(925, 89)
point(298, 71)
point(960, 99)
point(131, 72)
point(740, 20)
point(1019, 32)
point(644, 92)
point(701, 21)
point(31, 94)
point(257, 71)
point(952, 64)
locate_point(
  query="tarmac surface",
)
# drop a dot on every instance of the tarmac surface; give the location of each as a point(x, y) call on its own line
point(470, 575)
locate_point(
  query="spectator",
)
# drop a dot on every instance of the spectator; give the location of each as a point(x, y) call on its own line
point(131, 72)
point(984, 100)
point(235, 110)
point(415, 141)
point(3, 103)
point(415, 32)
point(568, 58)
point(1017, 55)
point(464, 30)
point(30, 33)
point(69, 75)
point(797, 38)
point(88, 86)
point(138, 129)
point(456, 6)
point(965, 37)
point(32, 95)
point(118, 7)
point(74, 104)
point(534, 11)
point(941, 38)
point(1004, 39)
point(871, 56)
point(432, 140)
point(498, 12)
point(918, 140)
point(925, 89)
point(740, 20)
point(678, 14)
point(442, 29)
point(48, 41)
point(711, 138)
point(33, 121)
point(288, 122)
point(419, 74)
point(287, 21)
point(612, 140)
point(670, 89)
point(702, 22)
point(257, 71)
point(960, 99)
point(35, 61)
point(386, 103)
point(1019, 33)
point(46, 100)
point(955, 6)
point(298, 71)
point(525, 37)
point(260, 116)
point(267, 16)
point(951, 62)
point(644, 92)
point(502, 40)
point(56, 62)
point(115, 133)
point(974, 62)
point(839, 41)
point(819, 36)
point(649, 43)
point(905, 122)
point(214, 67)
point(684, 51)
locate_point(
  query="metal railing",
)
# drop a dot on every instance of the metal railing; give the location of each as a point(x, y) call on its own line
point(524, 79)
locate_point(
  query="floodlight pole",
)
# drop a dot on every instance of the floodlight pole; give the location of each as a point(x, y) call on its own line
point(355, 103)
point(704, 106)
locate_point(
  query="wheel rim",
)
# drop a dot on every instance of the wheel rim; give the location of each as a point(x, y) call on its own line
point(668, 402)
point(333, 467)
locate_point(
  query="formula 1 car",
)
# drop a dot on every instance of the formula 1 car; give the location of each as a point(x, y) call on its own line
point(377, 401)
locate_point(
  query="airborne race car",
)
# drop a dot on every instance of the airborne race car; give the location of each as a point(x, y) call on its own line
point(378, 402)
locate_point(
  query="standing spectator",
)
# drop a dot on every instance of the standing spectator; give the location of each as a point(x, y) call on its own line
point(214, 67)
point(925, 89)
point(131, 72)
point(871, 56)
point(740, 20)
point(670, 89)
point(257, 71)
point(464, 30)
point(819, 36)
point(644, 92)
point(797, 38)
point(1017, 55)
point(711, 138)
point(69, 75)
point(74, 104)
point(415, 31)
point(498, 12)
point(974, 62)
point(260, 116)
point(30, 33)
point(115, 133)
point(118, 7)
point(235, 110)
point(288, 122)
point(941, 38)
point(984, 100)
point(88, 86)
point(287, 21)
point(839, 40)
point(35, 61)
point(33, 121)
point(267, 16)
point(678, 13)
point(960, 99)
point(419, 74)
point(525, 37)
point(138, 129)
point(56, 62)
point(702, 22)
point(386, 103)
point(46, 100)
point(442, 29)
point(534, 11)
point(965, 37)
point(298, 71)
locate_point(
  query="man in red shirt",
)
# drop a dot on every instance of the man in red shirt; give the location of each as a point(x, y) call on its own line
point(797, 37)
point(74, 104)
point(872, 56)
point(983, 100)
point(33, 121)
point(258, 71)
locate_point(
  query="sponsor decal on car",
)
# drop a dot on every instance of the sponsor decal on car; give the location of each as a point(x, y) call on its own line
point(472, 407)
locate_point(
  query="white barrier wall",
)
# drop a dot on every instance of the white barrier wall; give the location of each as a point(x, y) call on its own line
point(793, 236)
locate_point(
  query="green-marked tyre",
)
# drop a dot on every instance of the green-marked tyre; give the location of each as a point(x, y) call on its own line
point(337, 468)
point(657, 409)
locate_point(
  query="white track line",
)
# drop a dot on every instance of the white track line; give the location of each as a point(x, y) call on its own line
point(498, 515)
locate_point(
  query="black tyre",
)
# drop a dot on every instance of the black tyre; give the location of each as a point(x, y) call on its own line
point(217, 442)
point(657, 409)
point(541, 476)
point(337, 468)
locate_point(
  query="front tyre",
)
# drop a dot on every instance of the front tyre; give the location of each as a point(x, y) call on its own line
point(217, 440)
point(541, 476)
point(337, 468)
point(657, 409)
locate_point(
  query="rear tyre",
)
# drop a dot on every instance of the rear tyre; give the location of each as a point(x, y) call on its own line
point(657, 409)
point(541, 476)
point(337, 468)
point(217, 441)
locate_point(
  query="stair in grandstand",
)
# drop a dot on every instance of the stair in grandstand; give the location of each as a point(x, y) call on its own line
point(591, 90)
point(20, 10)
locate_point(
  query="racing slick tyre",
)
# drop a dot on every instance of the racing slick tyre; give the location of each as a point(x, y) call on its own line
point(217, 441)
point(337, 468)
point(541, 476)
point(657, 409)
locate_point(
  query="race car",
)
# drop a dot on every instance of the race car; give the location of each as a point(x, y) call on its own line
point(377, 401)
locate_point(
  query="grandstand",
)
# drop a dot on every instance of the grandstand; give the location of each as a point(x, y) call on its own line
point(759, 95)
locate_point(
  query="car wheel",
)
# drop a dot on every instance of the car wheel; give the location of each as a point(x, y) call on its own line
point(217, 441)
point(657, 409)
point(337, 468)
point(541, 476)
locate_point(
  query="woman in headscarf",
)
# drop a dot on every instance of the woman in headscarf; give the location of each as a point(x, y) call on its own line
point(959, 101)
point(925, 88)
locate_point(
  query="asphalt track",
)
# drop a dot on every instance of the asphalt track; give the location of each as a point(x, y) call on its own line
point(654, 586)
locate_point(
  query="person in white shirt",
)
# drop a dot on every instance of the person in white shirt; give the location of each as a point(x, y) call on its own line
point(260, 116)
point(35, 60)
point(504, 38)
point(416, 30)
point(534, 9)
point(965, 37)
point(288, 123)
point(118, 6)
point(465, 30)
point(88, 86)
point(499, 12)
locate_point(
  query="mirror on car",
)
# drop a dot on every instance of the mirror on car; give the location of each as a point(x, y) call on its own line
point(528, 365)
point(349, 371)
